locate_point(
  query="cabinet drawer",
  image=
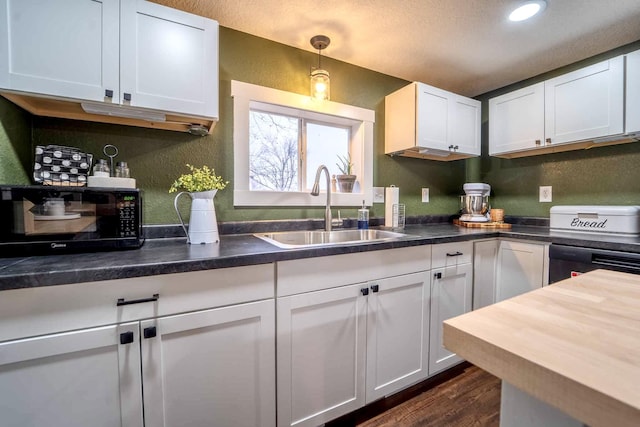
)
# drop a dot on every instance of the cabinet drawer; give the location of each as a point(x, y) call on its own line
point(448, 254)
point(49, 309)
point(313, 274)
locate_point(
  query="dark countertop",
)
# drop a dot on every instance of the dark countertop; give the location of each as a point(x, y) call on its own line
point(173, 255)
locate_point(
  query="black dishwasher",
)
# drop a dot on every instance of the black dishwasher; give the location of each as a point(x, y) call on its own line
point(569, 261)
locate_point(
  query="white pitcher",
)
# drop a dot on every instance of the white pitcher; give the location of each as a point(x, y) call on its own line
point(203, 226)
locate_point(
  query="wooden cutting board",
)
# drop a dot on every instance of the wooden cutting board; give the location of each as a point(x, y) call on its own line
point(481, 224)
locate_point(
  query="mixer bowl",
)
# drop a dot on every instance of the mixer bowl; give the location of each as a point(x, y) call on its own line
point(474, 205)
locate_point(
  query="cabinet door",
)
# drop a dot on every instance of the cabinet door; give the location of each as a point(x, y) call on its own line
point(485, 257)
point(397, 333)
point(585, 104)
point(451, 295)
point(433, 117)
point(73, 379)
point(169, 59)
point(465, 125)
point(632, 111)
point(65, 48)
point(321, 355)
point(212, 367)
point(516, 120)
point(520, 269)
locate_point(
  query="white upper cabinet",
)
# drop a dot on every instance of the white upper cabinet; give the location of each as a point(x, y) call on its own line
point(63, 48)
point(564, 113)
point(113, 53)
point(632, 124)
point(585, 104)
point(426, 122)
point(168, 59)
point(516, 120)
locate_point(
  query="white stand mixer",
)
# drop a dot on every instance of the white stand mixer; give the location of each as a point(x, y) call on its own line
point(474, 206)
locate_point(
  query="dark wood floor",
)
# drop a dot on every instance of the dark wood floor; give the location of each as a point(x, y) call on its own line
point(465, 397)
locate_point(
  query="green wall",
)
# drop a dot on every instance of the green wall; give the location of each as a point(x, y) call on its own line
point(597, 176)
point(157, 157)
point(608, 175)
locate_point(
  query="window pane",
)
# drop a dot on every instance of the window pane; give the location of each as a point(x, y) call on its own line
point(273, 152)
point(324, 144)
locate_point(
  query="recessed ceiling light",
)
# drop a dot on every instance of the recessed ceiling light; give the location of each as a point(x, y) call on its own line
point(527, 10)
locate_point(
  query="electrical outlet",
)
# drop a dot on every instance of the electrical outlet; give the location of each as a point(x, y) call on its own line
point(545, 193)
point(425, 195)
point(378, 194)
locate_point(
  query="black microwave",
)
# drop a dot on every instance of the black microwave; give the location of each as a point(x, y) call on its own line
point(51, 219)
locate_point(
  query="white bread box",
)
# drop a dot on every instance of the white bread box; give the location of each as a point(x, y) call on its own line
point(613, 220)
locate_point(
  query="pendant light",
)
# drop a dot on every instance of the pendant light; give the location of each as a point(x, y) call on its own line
point(320, 83)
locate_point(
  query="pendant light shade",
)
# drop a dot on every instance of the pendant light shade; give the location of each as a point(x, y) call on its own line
point(320, 81)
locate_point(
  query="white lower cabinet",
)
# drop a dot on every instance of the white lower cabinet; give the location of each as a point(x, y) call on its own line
point(184, 365)
point(72, 379)
point(397, 333)
point(521, 267)
point(211, 367)
point(485, 256)
point(451, 295)
point(348, 344)
point(321, 355)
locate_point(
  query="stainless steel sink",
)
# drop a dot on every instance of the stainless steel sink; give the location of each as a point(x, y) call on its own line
point(303, 239)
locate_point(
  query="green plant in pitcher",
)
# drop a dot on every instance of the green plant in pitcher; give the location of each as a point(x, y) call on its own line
point(200, 179)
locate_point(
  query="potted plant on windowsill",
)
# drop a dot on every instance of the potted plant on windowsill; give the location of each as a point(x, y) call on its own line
point(346, 179)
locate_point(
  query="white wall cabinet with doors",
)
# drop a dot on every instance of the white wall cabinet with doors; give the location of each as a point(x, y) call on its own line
point(431, 123)
point(135, 53)
point(563, 113)
point(193, 342)
point(632, 96)
point(351, 329)
point(451, 295)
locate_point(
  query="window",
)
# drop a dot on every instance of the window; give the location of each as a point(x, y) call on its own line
point(280, 140)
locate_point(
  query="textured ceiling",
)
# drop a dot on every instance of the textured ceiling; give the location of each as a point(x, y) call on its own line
point(465, 46)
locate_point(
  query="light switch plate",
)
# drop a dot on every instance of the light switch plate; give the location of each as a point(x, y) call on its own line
point(425, 195)
point(545, 193)
point(378, 194)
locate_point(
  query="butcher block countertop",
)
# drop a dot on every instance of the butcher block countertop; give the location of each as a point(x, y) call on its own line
point(574, 344)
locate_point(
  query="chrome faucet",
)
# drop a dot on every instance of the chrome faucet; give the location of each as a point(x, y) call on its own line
point(315, 191)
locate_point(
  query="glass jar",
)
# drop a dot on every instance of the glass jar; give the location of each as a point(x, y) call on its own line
point(122, 170)
point(101, 168)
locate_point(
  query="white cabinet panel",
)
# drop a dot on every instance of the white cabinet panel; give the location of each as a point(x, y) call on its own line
point(397, 333)
point(632, 112)
point(485, 259)
point(427, 122)
point(124, 52)
point(451, 254)
point(168, 59)
point(560, 114)
point(585, 104)
point(65, 48)
point(89, 370)
point(520, 268)
point(215, 366)
point(321, 355)
point(451, 295)
point(516, 120)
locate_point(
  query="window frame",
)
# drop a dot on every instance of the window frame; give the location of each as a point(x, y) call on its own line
point(247, 96)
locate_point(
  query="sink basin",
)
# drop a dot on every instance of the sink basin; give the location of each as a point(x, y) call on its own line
point(303, 239)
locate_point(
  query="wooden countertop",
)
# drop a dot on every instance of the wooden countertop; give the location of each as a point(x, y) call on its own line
point(574, 344)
